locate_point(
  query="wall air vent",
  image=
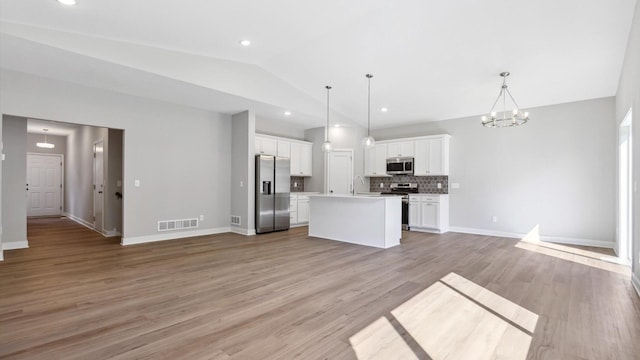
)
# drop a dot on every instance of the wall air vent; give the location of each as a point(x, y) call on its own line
point(168, 225)
point(235, 220)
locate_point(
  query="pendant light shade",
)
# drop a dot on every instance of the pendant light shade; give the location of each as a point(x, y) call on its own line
point(45, 144)
point(326, 145)
point(368, 141)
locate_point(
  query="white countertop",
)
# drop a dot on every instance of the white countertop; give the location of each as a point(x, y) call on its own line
point(358, 196)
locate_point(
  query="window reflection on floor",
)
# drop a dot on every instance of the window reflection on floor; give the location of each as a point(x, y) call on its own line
point(452, 319)
point(532, 242)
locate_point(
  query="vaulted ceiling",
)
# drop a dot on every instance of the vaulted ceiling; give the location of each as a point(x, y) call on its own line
point(431, 60)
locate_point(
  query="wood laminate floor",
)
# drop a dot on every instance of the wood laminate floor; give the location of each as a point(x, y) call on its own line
point(76, 295)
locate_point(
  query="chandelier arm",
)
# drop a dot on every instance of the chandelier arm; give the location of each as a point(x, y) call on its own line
point(514, 101)
point(495, 102)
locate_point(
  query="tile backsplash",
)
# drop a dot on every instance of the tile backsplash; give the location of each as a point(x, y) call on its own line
point(297, 184)
point(426, 184)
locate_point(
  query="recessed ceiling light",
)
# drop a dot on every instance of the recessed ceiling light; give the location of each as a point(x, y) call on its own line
point(67, 2)
point(336, 125)
point(384, 109)
point(243, 42)
point(287, 113)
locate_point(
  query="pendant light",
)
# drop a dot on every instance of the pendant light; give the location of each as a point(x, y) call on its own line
point(326, 145)
point(45, 144)
point(505, 118)
point(368, 142)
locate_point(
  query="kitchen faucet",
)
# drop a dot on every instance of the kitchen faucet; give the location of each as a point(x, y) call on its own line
point(353, 187)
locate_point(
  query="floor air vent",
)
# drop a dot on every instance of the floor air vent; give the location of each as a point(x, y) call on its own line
point(168, 225)
point(235, 220)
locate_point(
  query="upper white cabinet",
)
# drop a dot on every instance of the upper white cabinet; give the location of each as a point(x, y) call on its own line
point(376, 160)
point(432, 156)
point(430, 153)
point(299, 152)
point(266, 146)
point(301, 159)
point(400, 149)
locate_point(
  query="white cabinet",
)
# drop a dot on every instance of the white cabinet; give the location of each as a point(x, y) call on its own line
point(299, 209)
point(431, 156)
point(265, 146)
point(400, 149)
point(301, 159)
point(284, 148)
point(299, 152)
point(376, 161)
point(429, 213)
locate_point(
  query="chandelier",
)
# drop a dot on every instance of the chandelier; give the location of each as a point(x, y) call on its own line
point(507, 117)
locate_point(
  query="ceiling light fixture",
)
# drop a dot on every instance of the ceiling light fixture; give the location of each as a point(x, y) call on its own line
point(368, 141)
point(287, 113)
point(505, 118)
point(45, 144)
point(67, 2)
point(384, 109)
point(326, 145)
point(245, 42)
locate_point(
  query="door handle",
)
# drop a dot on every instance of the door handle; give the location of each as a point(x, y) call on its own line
point(99, 192)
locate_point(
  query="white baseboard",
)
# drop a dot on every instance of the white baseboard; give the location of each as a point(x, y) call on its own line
point(80, 221)
point(1, 254)
point(236, 230)
point(111, 233)
point(554, 239)
point(14, 245)
point(636, 283)
point(171, 236)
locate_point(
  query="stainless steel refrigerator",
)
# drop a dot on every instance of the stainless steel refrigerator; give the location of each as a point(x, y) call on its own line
point(273, 178)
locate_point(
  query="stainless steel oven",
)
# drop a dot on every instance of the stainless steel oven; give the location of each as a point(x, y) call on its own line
point(403, 189)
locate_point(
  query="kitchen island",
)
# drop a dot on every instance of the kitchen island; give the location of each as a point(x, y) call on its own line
point(361, 219)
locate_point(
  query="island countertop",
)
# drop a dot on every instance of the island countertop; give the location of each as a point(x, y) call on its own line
point(371, 220)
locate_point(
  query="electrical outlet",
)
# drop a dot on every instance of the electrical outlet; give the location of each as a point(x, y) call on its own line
point(381, 185)
point(295, 184)
point(241, 183)
point(136, 183)
point(439, 185)
point(494, 219)
point(201, 217)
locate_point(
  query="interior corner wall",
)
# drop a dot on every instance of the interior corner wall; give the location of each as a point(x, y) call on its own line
point(78, 185)
point(316, 182)
point(1, 161)
point(14, 177)
point(557, 171)
point(178, 153)
point(243, 171)
point(113, 184)
point(628, 97)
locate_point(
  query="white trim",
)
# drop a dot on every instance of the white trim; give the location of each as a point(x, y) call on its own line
point(80, 221)
point(554, 239)
point(111, 233)
point(636, 283)
point(95, 190)
point(1, 253)
point(236, 230)
point(171, 236)
point(14, 245)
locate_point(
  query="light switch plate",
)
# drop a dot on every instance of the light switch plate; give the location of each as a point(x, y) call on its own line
point(136, 183)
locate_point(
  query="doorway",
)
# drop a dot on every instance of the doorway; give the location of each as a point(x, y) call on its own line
point(340, 172)
point(44, 184)
point(625, 189)
point(98, 186)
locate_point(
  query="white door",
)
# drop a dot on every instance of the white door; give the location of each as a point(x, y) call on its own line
point(625, 188)
point(98, 185)
point(44, 185)
point(340, 172)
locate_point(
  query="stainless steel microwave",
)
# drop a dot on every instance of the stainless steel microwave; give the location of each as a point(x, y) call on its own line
point(400, 166)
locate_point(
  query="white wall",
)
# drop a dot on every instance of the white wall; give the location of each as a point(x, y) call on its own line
point(180, 154)
point(243, 171)
point(60, 143)
point(14, 177)
point(78, 184)
point(557, 171)
point(279, 128)
point(627, 97)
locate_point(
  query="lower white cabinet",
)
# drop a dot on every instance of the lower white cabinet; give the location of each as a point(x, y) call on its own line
point(299, 209)
point(429, 213)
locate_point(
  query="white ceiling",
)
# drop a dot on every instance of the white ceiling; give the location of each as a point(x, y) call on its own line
point(431, 60)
